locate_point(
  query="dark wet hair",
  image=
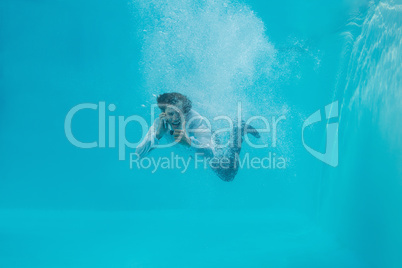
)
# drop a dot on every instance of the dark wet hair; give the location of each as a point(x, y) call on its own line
point(172, 99)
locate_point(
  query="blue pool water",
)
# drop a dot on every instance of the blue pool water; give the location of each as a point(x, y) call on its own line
point(64, 206)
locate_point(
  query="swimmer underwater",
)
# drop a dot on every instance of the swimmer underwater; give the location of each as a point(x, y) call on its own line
point(179, 123)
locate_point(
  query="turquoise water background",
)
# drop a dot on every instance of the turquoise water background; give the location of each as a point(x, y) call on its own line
point(63, 206)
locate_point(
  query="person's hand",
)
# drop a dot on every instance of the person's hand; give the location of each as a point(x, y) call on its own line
point(180, 136)
point(162, 128)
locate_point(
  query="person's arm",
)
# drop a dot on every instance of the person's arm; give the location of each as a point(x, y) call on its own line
point(150, 141)
point(198, 138)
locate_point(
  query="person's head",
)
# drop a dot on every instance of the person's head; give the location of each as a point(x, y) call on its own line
point(174, 105)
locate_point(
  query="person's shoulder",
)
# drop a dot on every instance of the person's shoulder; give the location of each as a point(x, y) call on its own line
point(192, 113)
point(196, 119)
